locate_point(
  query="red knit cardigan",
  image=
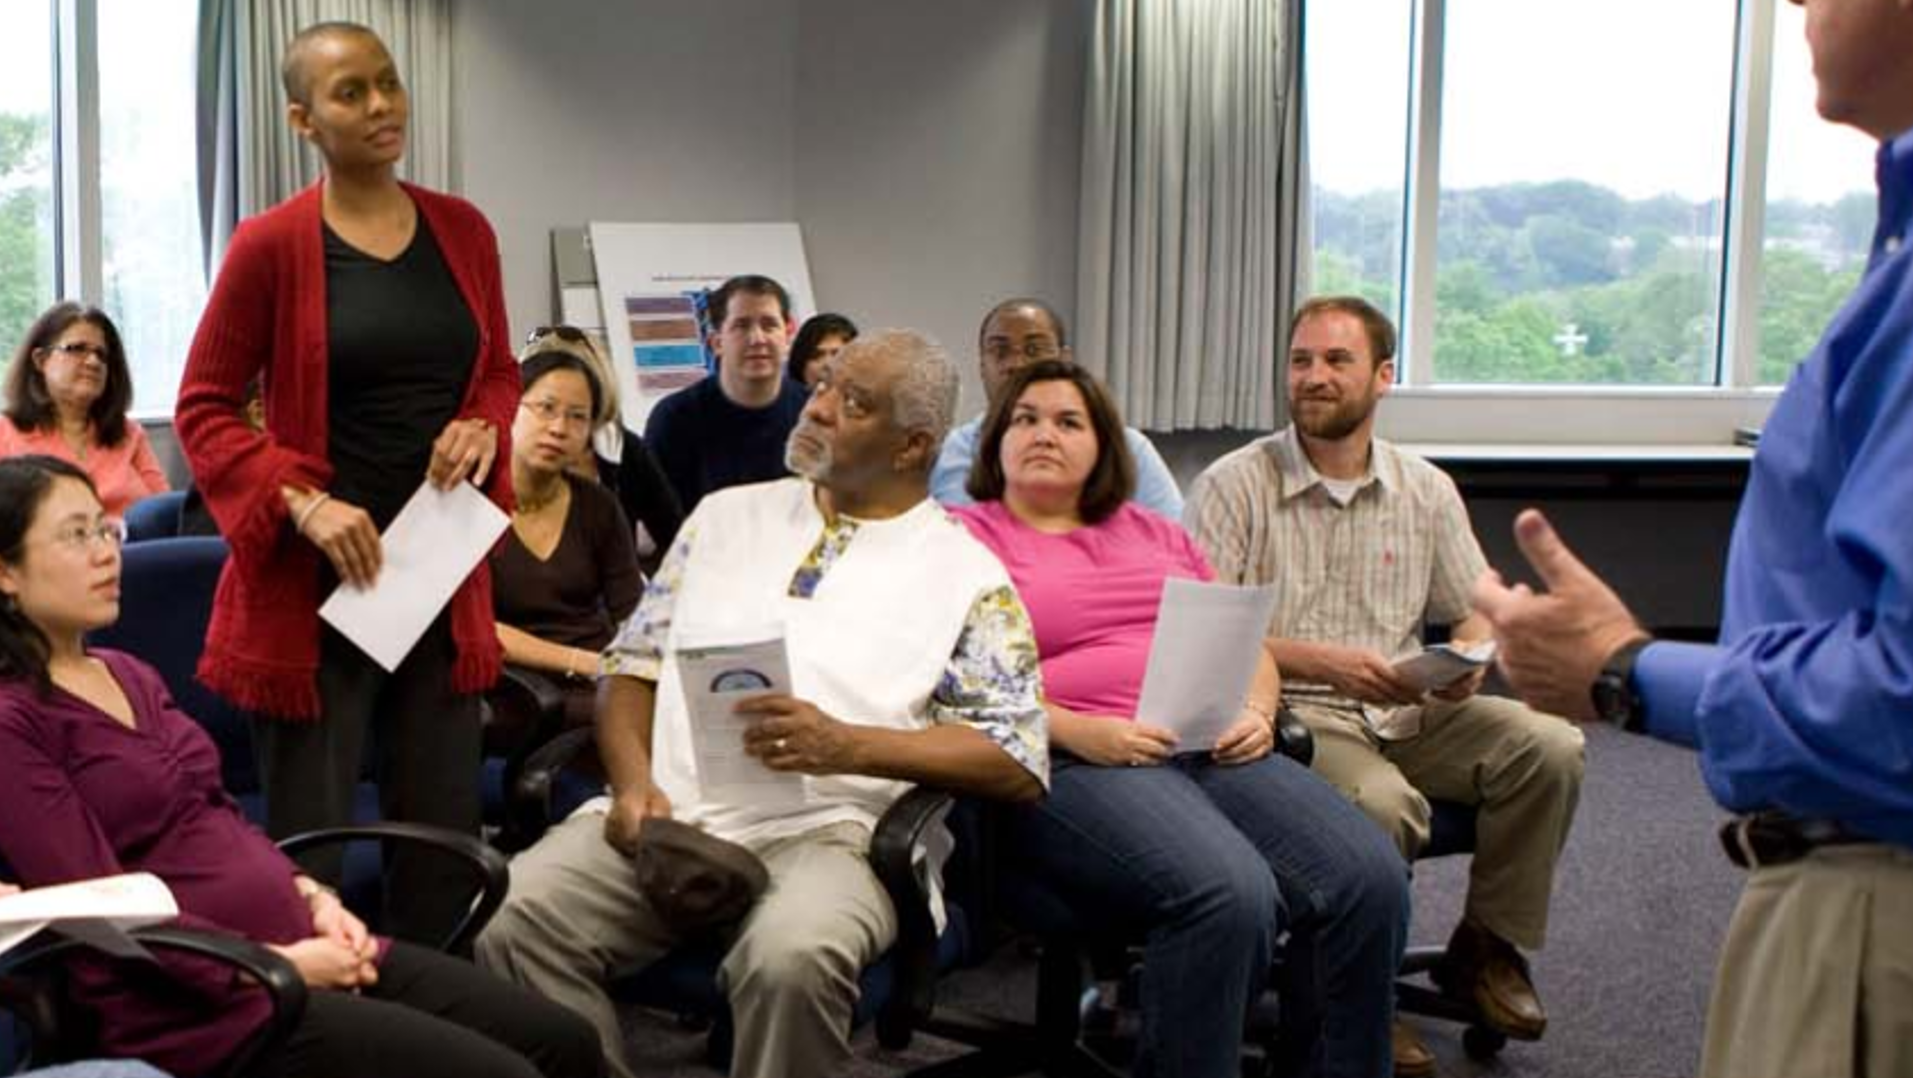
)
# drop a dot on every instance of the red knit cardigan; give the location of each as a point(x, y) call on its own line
point(267, 317)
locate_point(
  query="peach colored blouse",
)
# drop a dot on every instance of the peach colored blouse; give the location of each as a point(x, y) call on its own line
point(123, 473)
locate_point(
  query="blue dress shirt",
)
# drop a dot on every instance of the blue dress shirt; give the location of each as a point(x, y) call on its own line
point(1806, 704)
point(1156, 488)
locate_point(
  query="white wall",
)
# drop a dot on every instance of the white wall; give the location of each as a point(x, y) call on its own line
point(939, 147)
point(660, 110)
point(929, 149)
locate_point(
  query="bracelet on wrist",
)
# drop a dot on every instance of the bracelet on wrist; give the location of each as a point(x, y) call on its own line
point(305, 511)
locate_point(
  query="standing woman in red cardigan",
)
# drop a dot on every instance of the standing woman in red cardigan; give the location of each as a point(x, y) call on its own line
point(372, 313)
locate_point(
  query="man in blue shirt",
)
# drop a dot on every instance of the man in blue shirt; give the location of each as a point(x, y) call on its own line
point(1017, 332)
point(1803, 713)
point(730, 428)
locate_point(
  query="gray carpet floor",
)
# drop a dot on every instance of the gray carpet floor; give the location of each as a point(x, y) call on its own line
point(1641, 904)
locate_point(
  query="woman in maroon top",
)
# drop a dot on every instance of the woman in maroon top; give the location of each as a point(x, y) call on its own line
point(100, 774)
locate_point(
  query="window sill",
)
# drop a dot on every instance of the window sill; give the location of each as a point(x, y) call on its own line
point(1578, 416)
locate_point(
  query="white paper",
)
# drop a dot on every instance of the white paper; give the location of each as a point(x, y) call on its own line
point(717, 669)
point(12, 936)
point(430, 548)
point(98, 911)
point(103, 936)
point(1441, 665)
point(1203, 658)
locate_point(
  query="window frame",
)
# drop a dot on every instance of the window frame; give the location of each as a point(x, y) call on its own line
point(78, 217)
point(79, 191)
point(1426, 411)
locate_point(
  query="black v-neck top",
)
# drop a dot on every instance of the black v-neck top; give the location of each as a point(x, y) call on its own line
point(401, 342)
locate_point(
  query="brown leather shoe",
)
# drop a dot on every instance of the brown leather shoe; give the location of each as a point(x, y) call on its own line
point(1412, 1057)
point(1487, 969)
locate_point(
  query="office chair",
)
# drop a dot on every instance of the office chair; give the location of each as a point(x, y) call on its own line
point(1070, 1034)
point(896, 992)
point(166, 599)
point(1451, 832)
point(155, 516)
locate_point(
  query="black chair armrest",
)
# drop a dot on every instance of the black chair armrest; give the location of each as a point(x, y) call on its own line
point(539, 691)
point(29, 989)
point(524, 710)
point(1292, 738)
point(528, 807)
point(491, 875)
point(914, 956)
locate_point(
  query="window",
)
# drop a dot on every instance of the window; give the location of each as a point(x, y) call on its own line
point(1820, 210)
point(98, 189)
point(1357, 133)
point(1549, 199)
point(1580, 221)
point(152, 275)
point(26, 170)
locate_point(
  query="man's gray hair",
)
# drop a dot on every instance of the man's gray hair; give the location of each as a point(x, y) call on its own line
point(925, 395)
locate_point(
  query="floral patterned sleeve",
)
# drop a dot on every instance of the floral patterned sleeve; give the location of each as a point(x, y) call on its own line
point(638, 650)
point(993, 682)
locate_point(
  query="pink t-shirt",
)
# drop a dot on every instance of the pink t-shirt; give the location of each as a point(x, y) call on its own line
point(123, 473)
point(1092, 595)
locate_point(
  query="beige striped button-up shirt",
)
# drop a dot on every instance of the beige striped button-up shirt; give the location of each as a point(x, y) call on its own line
point(1367, 574)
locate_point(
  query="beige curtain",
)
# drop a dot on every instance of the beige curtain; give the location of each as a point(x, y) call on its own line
point(249, 157)
point(1186, 261)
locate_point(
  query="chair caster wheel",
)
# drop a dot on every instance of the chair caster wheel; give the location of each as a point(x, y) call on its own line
point(1482, 1043)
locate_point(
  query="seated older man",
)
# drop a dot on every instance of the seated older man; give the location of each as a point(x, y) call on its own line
point(911, 661)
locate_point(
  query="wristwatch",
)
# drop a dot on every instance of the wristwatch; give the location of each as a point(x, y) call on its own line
point(1613, 692)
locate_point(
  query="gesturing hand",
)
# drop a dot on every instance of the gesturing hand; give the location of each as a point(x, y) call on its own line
point(625, 821)
point(793, 735)
point(464, 450)
point(1551, 645)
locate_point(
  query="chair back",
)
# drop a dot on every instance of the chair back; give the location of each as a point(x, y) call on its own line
point(155, 516)
point(166, 602)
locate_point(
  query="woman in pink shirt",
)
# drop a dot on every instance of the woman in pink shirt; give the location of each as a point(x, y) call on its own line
point(67, 396)
point(1213, 853)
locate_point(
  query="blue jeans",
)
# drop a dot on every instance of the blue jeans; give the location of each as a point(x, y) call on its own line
point(1214, 863)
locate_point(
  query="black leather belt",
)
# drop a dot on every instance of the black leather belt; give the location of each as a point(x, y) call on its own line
point(1775, 838)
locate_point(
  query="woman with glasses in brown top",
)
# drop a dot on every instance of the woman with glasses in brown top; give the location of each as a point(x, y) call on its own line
point(566, 574)
point(67, 395)
point(614, 453)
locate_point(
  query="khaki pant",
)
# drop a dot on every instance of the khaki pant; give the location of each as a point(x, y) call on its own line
point(574, 914)
point(1520, 767)
point(1816, 976)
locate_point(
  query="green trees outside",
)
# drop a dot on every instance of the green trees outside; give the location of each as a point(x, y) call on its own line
point(1569, 283)
point(25, 261)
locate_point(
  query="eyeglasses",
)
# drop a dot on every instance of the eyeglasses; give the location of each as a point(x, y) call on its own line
point(568, 334)
point(1031, 349)
point(549, 410)
point(80, 349)
point(82, 538)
